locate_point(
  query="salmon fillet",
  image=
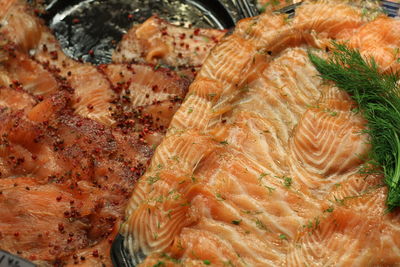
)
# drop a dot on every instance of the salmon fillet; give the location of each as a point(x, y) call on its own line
point(261, 163)
point(72, 180)
point(19, 24)
point(148, 98)
point(74, 140)
point(157, 41)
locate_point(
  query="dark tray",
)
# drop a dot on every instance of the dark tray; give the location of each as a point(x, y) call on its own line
point(9, 260)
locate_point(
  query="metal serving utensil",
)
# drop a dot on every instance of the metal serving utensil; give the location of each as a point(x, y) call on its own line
point(246, 8)
point(391, 8)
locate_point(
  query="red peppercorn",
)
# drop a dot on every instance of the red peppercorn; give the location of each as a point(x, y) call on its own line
point(95, 253)
point(54, 55)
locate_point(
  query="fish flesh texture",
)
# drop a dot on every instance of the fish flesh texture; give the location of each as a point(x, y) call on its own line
point(74, 140)
point(261, 164)
point(158, 42)
point(64, 180)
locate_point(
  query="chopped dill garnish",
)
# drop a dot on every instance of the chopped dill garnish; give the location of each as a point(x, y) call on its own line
point(283, 236)
point(262, 175)
point(378, 97)
point(219, 197)
point(287, 181)
point(168, 257)
point(260, 225)
point(159, 264)
point(330, 209)
point(152, 179)
point(236, 222)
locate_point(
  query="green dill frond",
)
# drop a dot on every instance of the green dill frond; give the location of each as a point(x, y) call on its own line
point(377, 95)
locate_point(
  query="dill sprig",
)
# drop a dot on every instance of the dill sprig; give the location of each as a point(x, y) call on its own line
point(377, 96)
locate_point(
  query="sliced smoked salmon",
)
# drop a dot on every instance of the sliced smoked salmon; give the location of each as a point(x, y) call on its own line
point(261, 165)
point(74, 140)
point(157, 41)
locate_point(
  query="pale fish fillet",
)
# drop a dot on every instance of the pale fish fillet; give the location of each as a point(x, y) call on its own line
point(157, 41)
point(21, 71)
point(19, 24)
point(92, 94)
point(379, 39)
point(147, 98)
point(260, 165)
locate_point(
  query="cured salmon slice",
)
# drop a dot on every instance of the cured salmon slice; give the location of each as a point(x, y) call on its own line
point(145, 83)
point(25, 73)
point(378, 39)
point(157, 41)
point(92, 91)
point(265, 168)
point(148, 98)
point(19, 24)
point(35, 214)
point(74, 140)
point(81, 170)
point(92, 94)
point(14, 99)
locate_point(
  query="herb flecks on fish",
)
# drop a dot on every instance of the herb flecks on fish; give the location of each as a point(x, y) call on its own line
point(377, 95)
